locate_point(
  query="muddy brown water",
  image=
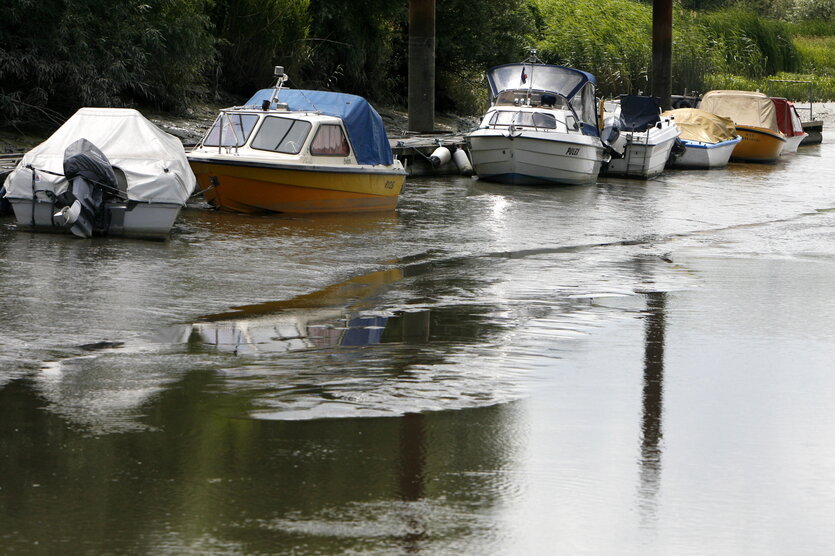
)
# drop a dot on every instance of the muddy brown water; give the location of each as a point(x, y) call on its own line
point(625, 368)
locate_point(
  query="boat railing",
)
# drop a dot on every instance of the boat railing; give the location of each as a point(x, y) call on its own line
point(810, 92)
point(225, 114)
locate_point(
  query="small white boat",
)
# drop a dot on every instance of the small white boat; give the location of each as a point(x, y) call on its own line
point(788, 120)
point(647, 139)
point(106, 171)
point(541, 127)
point(708, 139)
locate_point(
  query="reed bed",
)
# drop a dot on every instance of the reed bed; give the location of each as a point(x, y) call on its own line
point(728, 48)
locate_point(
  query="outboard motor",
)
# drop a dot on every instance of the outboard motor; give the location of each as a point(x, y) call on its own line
point(612, 137)
point(5, 205)
point(92, 181)
point(678, 148)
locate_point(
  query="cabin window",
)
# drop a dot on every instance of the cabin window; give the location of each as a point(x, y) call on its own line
point(502, 117)
point(282, 135)
point(548, 121)
point(230, 130)
point(330, 141)
point(524, 119)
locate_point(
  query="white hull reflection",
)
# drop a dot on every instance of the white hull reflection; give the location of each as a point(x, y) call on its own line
point(320, 320)
point(292, 331)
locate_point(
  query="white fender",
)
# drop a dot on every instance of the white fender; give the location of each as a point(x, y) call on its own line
point(440, 156)
point(462, 162)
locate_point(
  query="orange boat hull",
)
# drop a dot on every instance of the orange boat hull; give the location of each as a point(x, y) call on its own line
point(758, 144)
point(258, 187)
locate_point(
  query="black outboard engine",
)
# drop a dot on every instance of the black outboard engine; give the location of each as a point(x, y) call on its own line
point(612, 137)
point(92, 181)
point(5, 205)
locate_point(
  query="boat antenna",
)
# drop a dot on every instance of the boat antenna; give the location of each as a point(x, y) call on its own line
point(532, 61)
point(280, 78)
point(315, 108)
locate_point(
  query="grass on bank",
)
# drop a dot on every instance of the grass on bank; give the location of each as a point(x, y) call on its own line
point(823, 86)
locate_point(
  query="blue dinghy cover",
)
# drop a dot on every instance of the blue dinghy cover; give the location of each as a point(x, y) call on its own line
point(640, 113)
point(363, 123)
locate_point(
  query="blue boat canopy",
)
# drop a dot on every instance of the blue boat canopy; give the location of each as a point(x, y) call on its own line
point(639, 113)
point(363, 123)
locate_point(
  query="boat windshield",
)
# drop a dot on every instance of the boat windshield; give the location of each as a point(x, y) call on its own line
point(534, 84)
point(537, 77)
point(282, 135)
point(507, 118)
point(230, 130)
point(523, 97)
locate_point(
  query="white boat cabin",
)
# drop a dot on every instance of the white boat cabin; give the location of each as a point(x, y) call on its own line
point(305, 137)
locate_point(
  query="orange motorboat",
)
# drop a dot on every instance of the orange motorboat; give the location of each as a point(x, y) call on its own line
point(756, 122)
point(298, 151)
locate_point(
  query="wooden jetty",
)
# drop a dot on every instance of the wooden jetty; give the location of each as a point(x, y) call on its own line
point(813, 127)
point(415, 151)
point(815, 130)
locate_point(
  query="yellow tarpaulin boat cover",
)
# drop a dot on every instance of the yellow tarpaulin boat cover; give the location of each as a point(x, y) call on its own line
point(743, 107)
point(698, 125)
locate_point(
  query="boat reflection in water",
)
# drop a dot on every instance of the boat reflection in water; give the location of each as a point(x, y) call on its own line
point(292, 332)
point(328, 318)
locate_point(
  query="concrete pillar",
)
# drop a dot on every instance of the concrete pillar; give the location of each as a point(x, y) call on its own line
point(422, 65)
point(661, 80)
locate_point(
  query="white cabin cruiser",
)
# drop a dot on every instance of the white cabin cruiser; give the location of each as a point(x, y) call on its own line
point(106, 171)
point(541, 127)
point(646, 138)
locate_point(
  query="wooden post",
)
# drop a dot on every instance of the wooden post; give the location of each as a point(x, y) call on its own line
point(422, 65)
point(661, 83)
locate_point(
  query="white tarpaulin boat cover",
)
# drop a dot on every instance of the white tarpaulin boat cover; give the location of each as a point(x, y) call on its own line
point(154, 162)
point(743, 107)
point(699, 125)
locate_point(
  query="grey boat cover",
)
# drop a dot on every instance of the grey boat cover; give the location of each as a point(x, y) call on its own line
point(153, 162)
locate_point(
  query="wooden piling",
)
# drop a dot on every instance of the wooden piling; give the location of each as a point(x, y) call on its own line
point(661, 83)
point(422, 65)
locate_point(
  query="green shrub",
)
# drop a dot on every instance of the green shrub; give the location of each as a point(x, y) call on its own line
point(467, 46)
point(817, 54)
point(355, 47)
point(58, 55)
point(256, 35)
